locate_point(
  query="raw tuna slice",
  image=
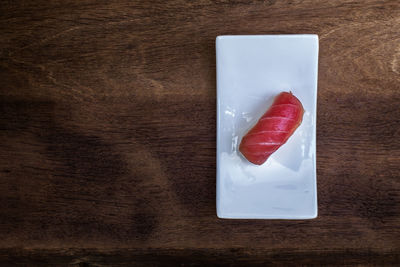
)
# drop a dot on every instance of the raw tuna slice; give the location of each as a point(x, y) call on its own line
point(273, 129)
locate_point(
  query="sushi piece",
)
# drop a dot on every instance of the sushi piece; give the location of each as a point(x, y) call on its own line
point(273, 129)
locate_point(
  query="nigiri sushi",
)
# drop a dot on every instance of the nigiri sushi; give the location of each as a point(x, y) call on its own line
point(273, 129)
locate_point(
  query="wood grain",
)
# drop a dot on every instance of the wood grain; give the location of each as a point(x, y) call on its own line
point(107, 134)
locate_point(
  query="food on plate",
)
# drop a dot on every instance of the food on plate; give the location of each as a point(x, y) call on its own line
point(273, 129)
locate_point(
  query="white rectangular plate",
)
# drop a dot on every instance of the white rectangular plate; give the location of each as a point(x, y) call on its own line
point(251, 71)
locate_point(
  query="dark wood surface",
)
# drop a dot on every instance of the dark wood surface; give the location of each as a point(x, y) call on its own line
point(107, 134)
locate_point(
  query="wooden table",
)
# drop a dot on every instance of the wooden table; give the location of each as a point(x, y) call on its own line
point(107, 134)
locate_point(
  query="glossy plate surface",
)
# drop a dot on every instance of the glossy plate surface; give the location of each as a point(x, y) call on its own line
point(251, 71)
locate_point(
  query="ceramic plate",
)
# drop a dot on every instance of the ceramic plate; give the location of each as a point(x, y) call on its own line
point(251, 71)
